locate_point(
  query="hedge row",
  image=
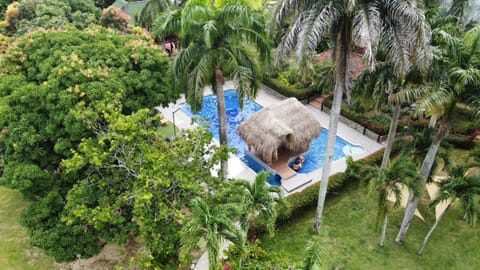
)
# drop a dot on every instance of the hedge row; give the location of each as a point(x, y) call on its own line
point(381, 128)
point(461, 141)
point(288, 90)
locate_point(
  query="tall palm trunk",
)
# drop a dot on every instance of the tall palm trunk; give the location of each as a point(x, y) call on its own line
point(414, 199)
point(384, 230)
point(386, 157)
point(222, 118)
point(391, 136)
point(344, 43)
point(427, 237)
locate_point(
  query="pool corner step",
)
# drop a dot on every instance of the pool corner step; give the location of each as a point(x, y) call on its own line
point(293, 183)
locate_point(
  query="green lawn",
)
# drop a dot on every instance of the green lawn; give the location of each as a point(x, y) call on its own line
point(352, 241)
point(15, 251)
point(167, 130)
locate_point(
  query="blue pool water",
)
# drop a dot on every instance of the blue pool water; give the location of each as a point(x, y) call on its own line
point(313, 159)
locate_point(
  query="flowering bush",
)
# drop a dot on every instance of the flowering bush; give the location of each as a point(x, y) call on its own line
point(115, 18)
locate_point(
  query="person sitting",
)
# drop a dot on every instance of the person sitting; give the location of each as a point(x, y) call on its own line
point(297, 166)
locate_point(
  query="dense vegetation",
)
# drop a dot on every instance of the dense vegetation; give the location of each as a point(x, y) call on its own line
point(80, 139)
point(53, 97)
point(28, 15)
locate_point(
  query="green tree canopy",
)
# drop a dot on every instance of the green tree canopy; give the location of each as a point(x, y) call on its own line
point(136, 183)
point(55, 90)
point(27, 15)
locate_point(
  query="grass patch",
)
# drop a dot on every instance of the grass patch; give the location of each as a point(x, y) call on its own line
point(352, 241)
point(15, 251)
point(167, 130)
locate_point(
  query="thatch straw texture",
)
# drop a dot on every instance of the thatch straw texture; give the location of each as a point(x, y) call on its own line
point(288, 124)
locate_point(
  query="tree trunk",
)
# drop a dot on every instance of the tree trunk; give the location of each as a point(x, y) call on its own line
point(432, 122)
point(384, 231)
point(344, 42)
point(222, 118)
point(391, 136)
point(427, 237)
point(413, 200)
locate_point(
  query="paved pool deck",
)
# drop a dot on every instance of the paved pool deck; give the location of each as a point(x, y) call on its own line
point(267, 97)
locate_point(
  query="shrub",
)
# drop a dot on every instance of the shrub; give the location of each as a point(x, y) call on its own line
point(461, 141)
point(290, 91)
point(29, 15)
point(115, 18)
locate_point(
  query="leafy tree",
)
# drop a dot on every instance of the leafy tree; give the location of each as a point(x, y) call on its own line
point(59, 240)
point(217, 42)
point(213, 226)
point(459, 187)
point(114, 18)
point(389, 84)
point(55, 89)
point(29, 15)
point(457, 85)
point(386, 180)
point(400, 22)
point(134, 182)
point(257, 201)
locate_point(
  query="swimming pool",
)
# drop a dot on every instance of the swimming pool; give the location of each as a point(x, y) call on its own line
point(313, 159)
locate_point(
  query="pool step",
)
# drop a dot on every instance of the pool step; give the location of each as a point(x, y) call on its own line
point(294, 183)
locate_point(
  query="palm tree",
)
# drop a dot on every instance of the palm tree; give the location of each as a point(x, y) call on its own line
point(218, 41)
point(394, 89)
point(152, 10)
point(384, 181)
point(212, 226)
point(315, 254)
point(400, 22)
point(458, 187)
point(457, 90)
point(257, 200)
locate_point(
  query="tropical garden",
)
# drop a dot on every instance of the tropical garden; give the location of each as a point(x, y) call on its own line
point(85, 162)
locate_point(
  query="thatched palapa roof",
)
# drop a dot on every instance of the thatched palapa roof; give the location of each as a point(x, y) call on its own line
point(288, 124)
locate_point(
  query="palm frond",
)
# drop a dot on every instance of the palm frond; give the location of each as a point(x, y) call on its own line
point(368, 24)
point(315, 254)
point(458, 8)
point(313, 30)
point(167, 24)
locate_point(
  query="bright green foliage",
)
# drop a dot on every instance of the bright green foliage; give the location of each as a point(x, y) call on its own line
point(136, 183)
point(383, 181)
point(54, 89)
point(212, 225)
point(257, 201)
point(228, 41)
point(315, 254)
point(31, 14)
point(59, 240)
point(227, 38)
